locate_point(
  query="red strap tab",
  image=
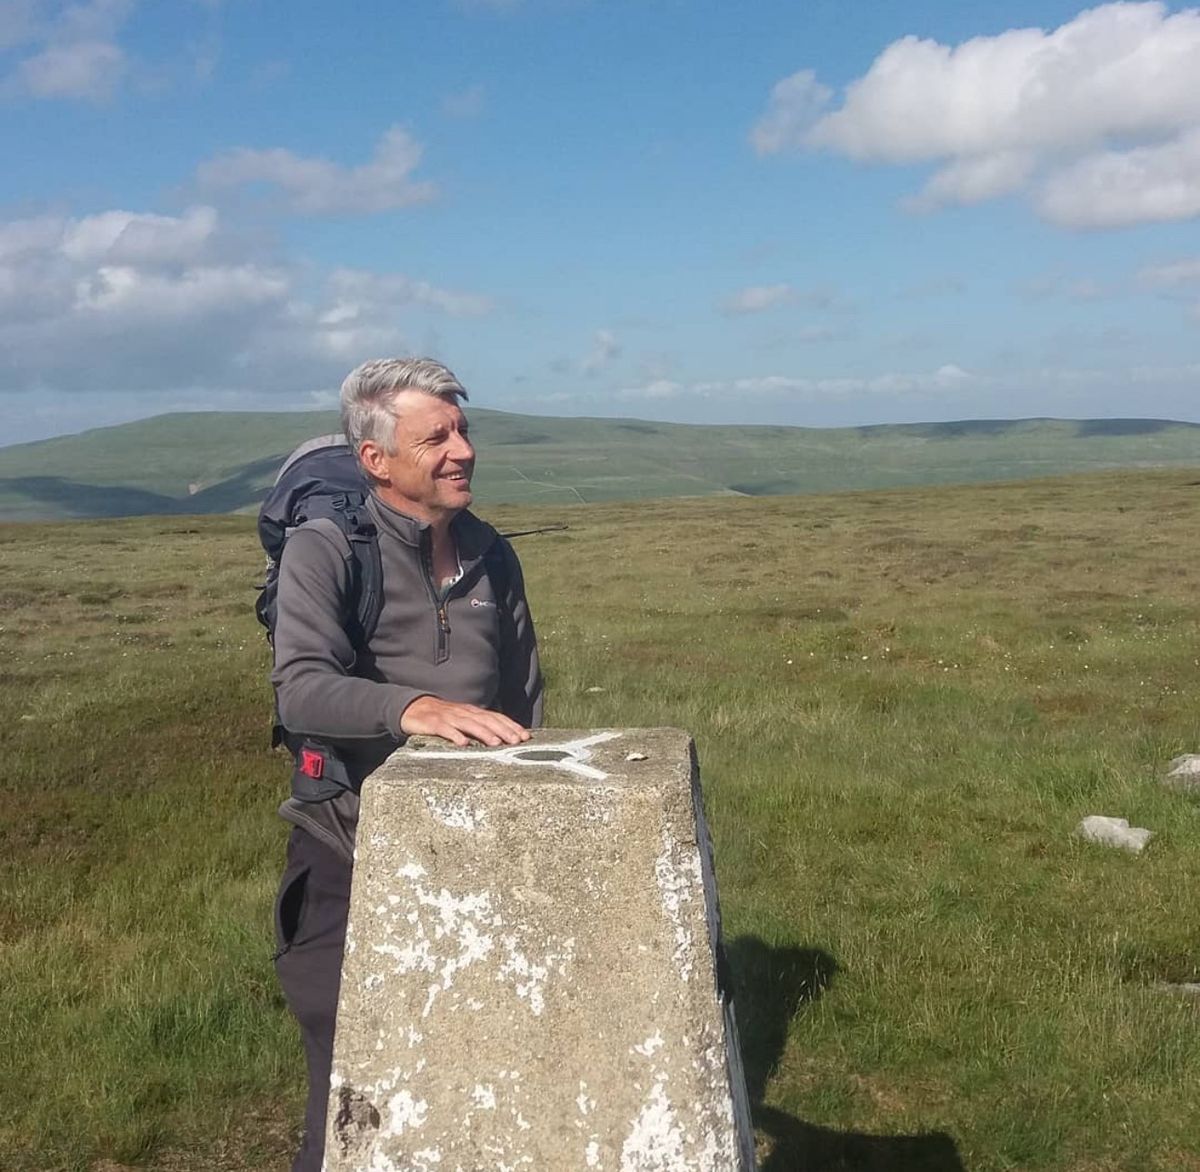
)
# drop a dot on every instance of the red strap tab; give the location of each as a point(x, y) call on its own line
point(312, 764)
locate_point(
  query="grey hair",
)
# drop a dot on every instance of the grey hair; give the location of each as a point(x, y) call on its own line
point(370, 391)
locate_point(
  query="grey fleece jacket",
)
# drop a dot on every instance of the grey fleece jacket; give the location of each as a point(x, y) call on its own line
point(450, 648)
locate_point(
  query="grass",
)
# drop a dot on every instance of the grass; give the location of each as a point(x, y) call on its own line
point(903, 702)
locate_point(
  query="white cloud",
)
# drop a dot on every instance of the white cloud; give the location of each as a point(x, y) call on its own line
point(756, 298)
point(1112, 189)
point(796, 104)
point(975, 180)
point(127, 237)
point(605, 349)
point(83, 69)
point(315, 186)
point(1163, 276)
point(77, 54)
point(125, 293)
point(1098, 120)
point(354, 289)
point(659, 388)
point(949, 377)
point(162, 304)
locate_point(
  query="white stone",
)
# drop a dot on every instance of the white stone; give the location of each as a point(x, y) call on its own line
point(1184, 773)
point(1114, 832)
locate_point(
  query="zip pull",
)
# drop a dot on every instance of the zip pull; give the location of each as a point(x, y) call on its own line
point(443, 620)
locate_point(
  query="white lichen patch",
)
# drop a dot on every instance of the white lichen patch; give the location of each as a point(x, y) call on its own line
point(454, 812)
point(591, 1154)
point(529, 976)
point(678, 877)
point(405, 1113)
point(409, 957)
point(655, 1142)
point(484, 1097)
point(584, 1101)
point(436, 932)
point(650, 1046)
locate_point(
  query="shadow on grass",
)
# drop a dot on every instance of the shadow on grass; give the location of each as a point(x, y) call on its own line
point(244, 488)
point(241, 490)
point(770, 986)
point(90, 500)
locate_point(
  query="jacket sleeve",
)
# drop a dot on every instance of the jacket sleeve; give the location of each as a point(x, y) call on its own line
point(520, 671)
point(314, 690)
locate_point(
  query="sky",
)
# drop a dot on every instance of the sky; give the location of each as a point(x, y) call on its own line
point(818, 213)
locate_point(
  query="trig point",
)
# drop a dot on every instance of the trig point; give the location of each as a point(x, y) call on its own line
point(531, 977)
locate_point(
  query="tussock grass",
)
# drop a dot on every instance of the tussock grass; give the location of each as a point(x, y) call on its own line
point(903, 703)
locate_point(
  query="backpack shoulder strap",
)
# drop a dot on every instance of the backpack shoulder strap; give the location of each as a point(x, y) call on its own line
point(367, 585)
point(349, 525)
point(496, 566)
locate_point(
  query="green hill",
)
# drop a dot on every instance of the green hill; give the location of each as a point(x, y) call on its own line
point(220, 462)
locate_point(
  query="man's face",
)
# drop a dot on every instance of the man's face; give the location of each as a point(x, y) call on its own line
point(429, 477)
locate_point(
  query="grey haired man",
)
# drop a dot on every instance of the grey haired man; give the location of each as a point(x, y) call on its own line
point(440, 662)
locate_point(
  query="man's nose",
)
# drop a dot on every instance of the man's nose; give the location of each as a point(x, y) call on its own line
point(461, 449)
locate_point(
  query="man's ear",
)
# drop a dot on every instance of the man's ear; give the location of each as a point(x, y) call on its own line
point(373, 458)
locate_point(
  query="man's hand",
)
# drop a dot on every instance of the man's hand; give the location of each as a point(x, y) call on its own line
point(460, 723)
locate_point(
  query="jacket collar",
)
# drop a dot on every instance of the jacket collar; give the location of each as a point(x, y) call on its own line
point(472, 535)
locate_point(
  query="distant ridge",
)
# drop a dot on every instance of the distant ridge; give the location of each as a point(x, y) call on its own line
point(219, 462)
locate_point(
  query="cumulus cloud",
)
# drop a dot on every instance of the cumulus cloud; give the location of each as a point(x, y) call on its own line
point(75, 53)
point(121, 237)
point(1112, 189)
point(1098, 121)
point(949, 377)
point(155, 304)
point(1171, 274)
point(316, 186)
point(605, 349)
point(756, 298)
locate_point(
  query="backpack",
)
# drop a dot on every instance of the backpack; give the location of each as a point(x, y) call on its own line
point(322, 478)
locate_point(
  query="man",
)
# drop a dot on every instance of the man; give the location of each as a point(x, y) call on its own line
point(447, 658)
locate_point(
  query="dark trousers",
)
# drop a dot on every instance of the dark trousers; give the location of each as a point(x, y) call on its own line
point(310, 930)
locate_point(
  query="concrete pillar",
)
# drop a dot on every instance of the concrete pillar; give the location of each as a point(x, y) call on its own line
point(532, 976)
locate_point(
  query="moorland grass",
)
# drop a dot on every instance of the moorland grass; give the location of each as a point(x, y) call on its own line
point(903, 702)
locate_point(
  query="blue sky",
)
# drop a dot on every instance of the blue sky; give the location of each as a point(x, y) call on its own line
point(815, 214)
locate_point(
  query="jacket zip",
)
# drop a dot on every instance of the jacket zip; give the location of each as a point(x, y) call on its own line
point(442, 636)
